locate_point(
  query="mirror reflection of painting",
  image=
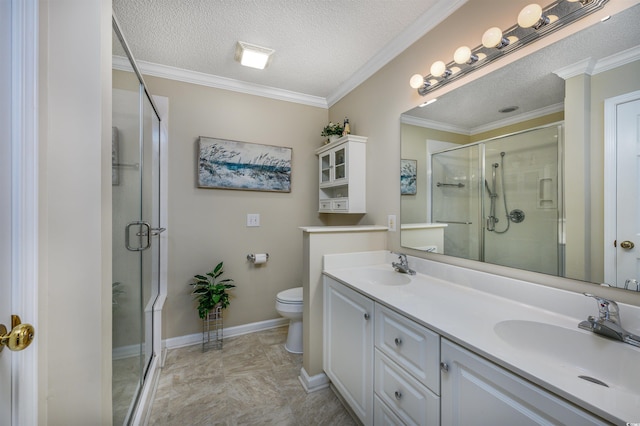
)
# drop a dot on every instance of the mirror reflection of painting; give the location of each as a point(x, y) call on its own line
point(408, 175)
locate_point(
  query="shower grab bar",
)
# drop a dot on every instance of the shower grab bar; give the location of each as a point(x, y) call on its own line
point(454, 222)
point(459, 185)
point(124, 165)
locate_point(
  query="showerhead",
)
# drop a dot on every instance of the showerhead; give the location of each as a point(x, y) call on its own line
point(488, 190)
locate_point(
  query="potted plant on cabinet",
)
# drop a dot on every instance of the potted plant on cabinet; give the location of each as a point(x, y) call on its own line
point(332, 131)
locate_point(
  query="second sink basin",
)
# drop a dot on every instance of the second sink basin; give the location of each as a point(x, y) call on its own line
point(582, 354)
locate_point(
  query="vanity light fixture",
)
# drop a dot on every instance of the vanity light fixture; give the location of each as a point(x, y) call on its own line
point(251, 55)
point(534, 22)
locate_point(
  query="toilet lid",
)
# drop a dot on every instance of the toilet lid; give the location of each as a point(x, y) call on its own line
point(293, 295)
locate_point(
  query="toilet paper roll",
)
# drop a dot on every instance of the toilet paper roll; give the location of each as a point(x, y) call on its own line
point(260, 258)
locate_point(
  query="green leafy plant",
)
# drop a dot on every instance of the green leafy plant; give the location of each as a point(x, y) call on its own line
point(332, 129)
point(209, 291)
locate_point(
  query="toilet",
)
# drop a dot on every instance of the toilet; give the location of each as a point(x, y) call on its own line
point(289, 305)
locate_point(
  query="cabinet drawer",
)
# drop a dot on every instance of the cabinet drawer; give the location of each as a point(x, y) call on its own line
point(383, 416)
point(339, 205)
point(325, 205)
point(411, 401)
point(414, 347)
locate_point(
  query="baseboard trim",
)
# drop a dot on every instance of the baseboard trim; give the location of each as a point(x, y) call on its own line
point(313, 383)
point(194, 339)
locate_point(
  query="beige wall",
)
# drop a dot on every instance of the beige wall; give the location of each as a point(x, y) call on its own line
point(209, 225)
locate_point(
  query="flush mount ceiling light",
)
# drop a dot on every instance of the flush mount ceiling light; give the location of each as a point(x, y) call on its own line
point(534, 22)
point(251, 55)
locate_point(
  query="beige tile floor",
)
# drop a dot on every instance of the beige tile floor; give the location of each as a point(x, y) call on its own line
point(252, 380)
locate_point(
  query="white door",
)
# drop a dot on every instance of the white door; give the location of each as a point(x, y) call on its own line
point(18, 214)
point(5, 204)
point(623, 221)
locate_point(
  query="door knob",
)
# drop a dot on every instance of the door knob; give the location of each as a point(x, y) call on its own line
point(20, 336)
point(627, 245)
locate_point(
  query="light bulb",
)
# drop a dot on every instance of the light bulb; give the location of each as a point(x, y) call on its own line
point(531, 16)
point(463, 55)
point(493, 38)
point(416, 81)
point(438, 68)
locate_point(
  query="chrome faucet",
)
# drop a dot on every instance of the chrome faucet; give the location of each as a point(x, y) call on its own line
point(403, 265)
point(608, 322)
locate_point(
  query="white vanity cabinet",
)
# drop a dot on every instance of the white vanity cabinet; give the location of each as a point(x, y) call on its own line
point(476, 391)
point(407, 369)
point(348, 346)
point(342, 168)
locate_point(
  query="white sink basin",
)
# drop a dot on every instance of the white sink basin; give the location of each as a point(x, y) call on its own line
point(576, 352)
point(378, 275)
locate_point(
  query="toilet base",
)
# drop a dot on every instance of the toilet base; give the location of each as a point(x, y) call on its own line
point(294, 337)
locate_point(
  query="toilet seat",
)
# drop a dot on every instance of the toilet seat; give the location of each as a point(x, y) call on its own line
point(292, 296)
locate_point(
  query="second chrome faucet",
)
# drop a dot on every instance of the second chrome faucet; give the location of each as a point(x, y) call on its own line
point(608, 322)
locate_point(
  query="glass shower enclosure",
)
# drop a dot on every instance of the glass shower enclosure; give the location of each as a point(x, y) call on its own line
point(136, 227)
point(502, 200)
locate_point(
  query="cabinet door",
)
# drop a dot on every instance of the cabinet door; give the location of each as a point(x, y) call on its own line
point(340, 163)
point(475, 391)
point(325, 167)
point(348, 346)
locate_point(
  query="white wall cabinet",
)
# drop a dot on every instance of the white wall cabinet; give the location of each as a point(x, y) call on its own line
point(348, 346)
point(476, 391)
point(342, 168)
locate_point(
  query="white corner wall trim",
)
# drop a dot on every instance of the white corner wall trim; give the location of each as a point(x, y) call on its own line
point(194, 339)
point(425, 23)
point(202, 79)
point(313, 383)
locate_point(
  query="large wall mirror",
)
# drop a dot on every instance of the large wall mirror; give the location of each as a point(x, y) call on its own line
point(511, 168)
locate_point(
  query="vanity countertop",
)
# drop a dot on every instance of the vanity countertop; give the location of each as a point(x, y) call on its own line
point(477, 311)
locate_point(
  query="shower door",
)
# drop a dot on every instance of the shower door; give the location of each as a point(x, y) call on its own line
point(135, 214)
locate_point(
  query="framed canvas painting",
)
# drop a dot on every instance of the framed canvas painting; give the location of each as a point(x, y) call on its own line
point(408, 177)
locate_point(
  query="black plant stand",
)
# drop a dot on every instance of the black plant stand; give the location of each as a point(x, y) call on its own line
point(212, 330)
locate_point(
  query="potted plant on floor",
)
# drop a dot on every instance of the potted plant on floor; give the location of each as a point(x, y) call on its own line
point(210, 292)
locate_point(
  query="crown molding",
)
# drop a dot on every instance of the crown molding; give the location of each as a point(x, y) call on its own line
point(590, 66)
point(430, 124)
point(617, 60)
point(435, 125)
point(202, 79)
point(518, 118)
point(421, 26)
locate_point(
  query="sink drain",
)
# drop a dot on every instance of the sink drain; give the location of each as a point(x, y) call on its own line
point(593, 380)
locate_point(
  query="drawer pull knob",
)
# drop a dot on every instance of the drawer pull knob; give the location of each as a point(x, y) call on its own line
point(366, 316)
point(398, 395)
point(398, 341)
point(444, 367)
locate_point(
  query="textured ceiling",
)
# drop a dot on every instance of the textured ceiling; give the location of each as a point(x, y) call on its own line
point(319, 44)
point(530, 83)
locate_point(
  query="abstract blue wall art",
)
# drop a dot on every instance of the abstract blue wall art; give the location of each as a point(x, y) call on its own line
point(408, 177)
point(226, 164)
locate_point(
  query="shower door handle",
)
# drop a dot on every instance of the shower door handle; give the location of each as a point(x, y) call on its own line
point(146, 234)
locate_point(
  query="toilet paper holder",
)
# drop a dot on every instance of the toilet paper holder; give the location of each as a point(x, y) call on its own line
point(252, 257)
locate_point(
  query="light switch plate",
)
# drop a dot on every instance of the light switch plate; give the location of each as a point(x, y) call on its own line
point(253, 219)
